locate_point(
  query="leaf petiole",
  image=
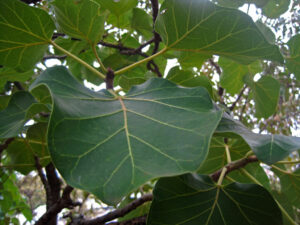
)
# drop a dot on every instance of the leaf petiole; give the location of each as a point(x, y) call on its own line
point(99, 74)
point(123, 70)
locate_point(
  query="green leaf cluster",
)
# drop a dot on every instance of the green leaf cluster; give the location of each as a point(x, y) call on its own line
point(191, 130)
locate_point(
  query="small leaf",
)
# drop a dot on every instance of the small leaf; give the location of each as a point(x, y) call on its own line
point(293, 61)
point(125, 137)
point(187, 78)
point(142, 22)
point(191, 199)
point(191, 59)
point(23, 38)
point(118, 7)
point(13, 117)
point(268, 148)
point(266, 95)
point(21, 151)
point(233, 74)
point(80, 19)
point(274, 8)
point(204, 27)
point(8, 74)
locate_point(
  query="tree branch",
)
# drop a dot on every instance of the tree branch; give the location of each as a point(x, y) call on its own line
point(54, 57)
point(238, 98)
point(42, 177)
point(116, 213)
point(64, 202)
point(135, 221)
point(234, 166)
point(5, 145)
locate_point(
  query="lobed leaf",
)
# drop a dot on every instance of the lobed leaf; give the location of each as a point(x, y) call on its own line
point(110, 145)
point(204, 27)
point(190, 199)
point(25, 34)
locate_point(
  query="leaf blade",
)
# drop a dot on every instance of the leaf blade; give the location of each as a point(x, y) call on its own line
point(118, 138)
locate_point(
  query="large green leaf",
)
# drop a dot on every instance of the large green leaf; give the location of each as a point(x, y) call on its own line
point(268, 148)
point(293, 61)
point(290, 184)
point(21, 151)
point(191, 200)
point(204, 27)
point(14, 116)
point(233, 74)
point(266, 95)
point(25, 33)
point(80, 19)
point(110, 145)
point(118, 7)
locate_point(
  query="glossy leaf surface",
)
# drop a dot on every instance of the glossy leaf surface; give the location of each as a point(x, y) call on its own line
point(268, 148)
point(157, 129)
point(204, 27)
point(191, 199)
point(25, 33)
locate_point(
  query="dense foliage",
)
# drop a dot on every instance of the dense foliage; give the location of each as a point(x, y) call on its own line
point(192, 123)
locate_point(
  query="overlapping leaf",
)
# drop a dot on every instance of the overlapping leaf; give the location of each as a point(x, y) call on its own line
point(268, 148)
point(80, 19)
point(118, 7)
point(233, 74)
point(187, 78)
point(8, 74)
point(25, 33)
point(238, 148)
point(110, 145)
point(274, 8)
point(21, 151)
point(13, 117)
point(266, 96)
point(290, 184)
point(204, 27)
point(293, 61)
point(191, 199)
